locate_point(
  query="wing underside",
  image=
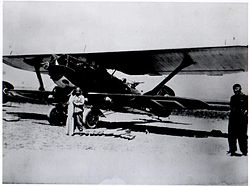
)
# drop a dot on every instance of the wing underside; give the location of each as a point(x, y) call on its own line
point(210, 61)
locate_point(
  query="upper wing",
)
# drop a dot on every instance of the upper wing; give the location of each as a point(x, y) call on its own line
point(211, 60)
point(27, 62)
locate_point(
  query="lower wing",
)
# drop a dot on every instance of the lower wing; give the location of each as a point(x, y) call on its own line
point(30, 96)
point(157, 105)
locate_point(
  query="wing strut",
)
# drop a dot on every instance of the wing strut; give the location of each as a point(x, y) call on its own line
point(39, 77)
point(187, 61)
point(36, 63)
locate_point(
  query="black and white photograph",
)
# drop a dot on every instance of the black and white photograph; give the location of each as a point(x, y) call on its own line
point(125, 93)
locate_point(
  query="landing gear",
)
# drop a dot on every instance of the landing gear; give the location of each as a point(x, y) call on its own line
point(6, 86)
point(91, 118)
point(57, 116)
point(161, 110)
point(166, 91)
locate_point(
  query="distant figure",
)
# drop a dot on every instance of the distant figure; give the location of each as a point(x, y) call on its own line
point(75, 112)
point(237, 126)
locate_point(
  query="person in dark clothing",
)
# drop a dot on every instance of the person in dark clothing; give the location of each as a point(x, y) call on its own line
point(237, 126)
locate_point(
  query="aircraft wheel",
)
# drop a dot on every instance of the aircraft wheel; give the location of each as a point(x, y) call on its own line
point(57, 117)
point(6, 86)
point(161, 112)
point(91, 118)
point(166, 91)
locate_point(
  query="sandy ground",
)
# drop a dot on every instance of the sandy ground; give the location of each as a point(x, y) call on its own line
point(177, 150)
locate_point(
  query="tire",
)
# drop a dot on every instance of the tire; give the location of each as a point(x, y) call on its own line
point(159, 110)
point(91, 118)
point(166, 91)
point(6, 86)
point(57, 117)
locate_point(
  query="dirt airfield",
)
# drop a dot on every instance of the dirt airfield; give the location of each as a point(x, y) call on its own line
point(177, 150)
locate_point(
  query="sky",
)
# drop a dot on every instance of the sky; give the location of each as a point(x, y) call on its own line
point(53, 27)
point(72, 27)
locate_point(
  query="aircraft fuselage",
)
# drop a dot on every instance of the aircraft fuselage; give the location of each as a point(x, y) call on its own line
point(89, 77)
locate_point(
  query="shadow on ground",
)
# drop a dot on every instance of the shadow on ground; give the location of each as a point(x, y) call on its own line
point(137, 126)
point(26, 115)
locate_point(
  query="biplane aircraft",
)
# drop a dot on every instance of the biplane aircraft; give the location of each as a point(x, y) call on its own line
point(104, 91)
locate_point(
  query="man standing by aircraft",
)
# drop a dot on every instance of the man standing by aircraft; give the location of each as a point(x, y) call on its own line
point(237, 127)
point(75, 112)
